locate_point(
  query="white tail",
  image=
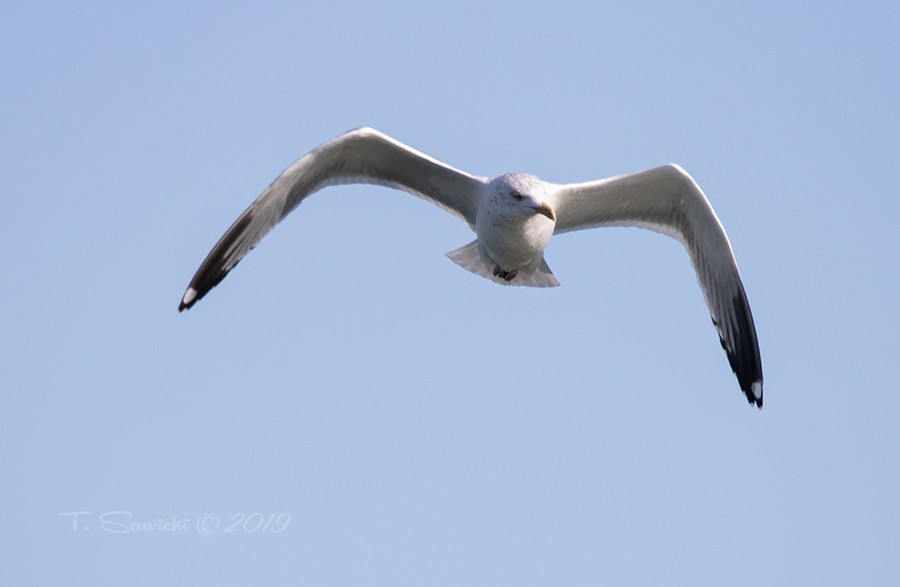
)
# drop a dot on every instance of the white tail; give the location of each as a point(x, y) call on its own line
point(471, 257)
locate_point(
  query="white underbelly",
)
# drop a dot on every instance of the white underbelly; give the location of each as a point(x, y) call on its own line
point(515, 245)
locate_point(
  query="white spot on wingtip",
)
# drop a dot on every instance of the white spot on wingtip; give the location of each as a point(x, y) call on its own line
point(756, 388)
point(189, 296)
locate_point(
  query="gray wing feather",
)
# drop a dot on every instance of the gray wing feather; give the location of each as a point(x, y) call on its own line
point(667, 200)
point(360, 156)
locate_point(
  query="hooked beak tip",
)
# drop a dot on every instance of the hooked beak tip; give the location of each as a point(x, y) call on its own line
point(547, 211)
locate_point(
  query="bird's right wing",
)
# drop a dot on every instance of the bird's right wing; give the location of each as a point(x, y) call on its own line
point(360, 156)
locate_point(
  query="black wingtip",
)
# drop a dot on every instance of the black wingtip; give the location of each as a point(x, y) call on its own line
point(213, 270)
point(754, 393)
point(743, 352)
point(189, 299)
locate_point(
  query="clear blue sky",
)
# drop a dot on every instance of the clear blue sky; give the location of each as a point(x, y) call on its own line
point(416, 424)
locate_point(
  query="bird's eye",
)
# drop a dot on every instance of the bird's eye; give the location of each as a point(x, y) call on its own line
point(517, 196)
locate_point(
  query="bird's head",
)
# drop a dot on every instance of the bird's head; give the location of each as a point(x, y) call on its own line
point(522, 193)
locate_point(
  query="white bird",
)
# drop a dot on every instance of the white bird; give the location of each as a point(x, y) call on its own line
point(514, 216)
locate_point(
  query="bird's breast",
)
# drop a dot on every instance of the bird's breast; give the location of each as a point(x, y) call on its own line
point(511, 240)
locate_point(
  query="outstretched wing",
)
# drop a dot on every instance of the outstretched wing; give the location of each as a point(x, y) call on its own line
point(360, 156)
point(667, 200)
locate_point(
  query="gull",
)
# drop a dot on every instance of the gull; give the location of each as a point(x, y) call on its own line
point(513, 216)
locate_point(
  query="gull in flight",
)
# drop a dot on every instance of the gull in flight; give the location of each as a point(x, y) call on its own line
point(513, 216)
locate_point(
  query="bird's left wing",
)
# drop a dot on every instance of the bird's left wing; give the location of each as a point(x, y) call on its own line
point(667, 200)
point(360, 156)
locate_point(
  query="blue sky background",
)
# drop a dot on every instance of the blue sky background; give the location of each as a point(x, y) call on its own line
point(417, 424)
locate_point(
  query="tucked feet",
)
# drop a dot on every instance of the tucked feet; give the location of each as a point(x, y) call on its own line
point(506, 275)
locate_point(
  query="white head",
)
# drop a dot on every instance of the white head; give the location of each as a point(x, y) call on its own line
point(521, 193)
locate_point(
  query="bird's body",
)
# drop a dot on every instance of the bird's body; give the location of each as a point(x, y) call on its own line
point(514, 216)
point(513, 238)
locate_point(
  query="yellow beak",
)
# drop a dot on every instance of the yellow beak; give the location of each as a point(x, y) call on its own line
point(547, 211)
